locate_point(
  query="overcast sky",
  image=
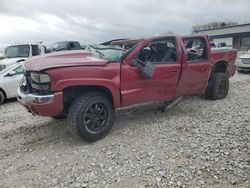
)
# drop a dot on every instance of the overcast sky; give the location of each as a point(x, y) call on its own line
point(91, 21)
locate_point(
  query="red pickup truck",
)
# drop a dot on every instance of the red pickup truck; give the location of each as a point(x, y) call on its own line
point(87, 86)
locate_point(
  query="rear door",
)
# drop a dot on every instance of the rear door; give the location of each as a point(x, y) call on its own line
point(196, 66)
point(135, 88)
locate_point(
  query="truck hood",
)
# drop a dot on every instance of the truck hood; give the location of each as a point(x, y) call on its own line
point(245, 56)
point(63, 59)
point(11, 61)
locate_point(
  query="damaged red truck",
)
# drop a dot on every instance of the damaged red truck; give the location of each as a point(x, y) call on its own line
point(87, 86)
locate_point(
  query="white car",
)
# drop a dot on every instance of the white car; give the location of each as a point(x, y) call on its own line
point(243, 62)
point(19, 52)
point(9, 81)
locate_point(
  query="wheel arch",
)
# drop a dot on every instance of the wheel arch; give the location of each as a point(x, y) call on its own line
point(220, 66)
point(71, 92)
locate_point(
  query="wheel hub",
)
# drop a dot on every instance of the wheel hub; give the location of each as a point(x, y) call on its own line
point(95, 117)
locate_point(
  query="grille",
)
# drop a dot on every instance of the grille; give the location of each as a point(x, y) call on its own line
point(25, 84)
point(29, 89)
point(245, 61)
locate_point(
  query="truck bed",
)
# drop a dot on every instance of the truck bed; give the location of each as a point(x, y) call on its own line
point(225, 55)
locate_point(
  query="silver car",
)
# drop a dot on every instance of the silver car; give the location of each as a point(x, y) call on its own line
point(243, 62)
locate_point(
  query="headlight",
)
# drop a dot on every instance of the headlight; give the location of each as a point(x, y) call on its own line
point(40, 78)
point(40, 81)
point(238, 61)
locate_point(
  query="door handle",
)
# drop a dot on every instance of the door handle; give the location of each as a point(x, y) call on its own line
point(173, 71)
point(204, 69)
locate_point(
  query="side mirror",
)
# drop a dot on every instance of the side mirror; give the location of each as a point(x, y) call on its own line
point(11, 73)
point(147, 68)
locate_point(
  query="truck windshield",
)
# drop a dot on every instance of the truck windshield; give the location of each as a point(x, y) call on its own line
point(17, 51)
point(110, 52)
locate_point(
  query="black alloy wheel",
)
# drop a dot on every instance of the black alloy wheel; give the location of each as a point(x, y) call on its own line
point(95, 118)
point(91, 116)
point(218, 86)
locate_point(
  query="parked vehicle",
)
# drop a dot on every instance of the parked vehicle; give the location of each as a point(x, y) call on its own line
point(9, 81)
point(65, 45)
point(88, 87)
point(243, 62)
point(1, 56)
point(20, 52)
point(220, 46)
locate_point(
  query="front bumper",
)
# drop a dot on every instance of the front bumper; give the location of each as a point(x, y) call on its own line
point(33, 98)
point(44, 105)
point(243, 66)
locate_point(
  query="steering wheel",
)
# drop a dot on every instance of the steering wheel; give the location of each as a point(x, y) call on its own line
point(193, 51)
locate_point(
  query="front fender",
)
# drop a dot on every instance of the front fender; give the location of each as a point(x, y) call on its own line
point(111, 85)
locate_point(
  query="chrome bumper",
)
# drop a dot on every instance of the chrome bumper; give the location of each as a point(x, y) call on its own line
point(33, 98)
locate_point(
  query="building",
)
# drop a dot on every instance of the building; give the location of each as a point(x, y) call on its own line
point(236, 36)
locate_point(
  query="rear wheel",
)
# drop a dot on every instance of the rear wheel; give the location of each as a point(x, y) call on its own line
point(218, 86)
point(91, 116)
point(2, 97)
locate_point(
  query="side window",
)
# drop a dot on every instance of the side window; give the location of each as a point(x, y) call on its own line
point(19, 70)
point(71, 46)
point(35, 50)
point(196, 49)
point(159, 52)
point(76, 45)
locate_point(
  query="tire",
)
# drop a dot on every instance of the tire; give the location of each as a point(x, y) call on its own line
point(218, 86)
point(61, 116)
point(91, 116)
point(2, 97)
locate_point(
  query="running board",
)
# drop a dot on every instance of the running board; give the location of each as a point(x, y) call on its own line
point(172, 104)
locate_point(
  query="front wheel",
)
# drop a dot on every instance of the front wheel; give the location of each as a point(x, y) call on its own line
point(218, 86)
point(60, 116)
point(91, 116)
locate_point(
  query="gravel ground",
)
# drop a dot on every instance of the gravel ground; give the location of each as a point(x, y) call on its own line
point(198, 143)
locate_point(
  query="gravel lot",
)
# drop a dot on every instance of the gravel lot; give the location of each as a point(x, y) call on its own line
point(198, 143)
